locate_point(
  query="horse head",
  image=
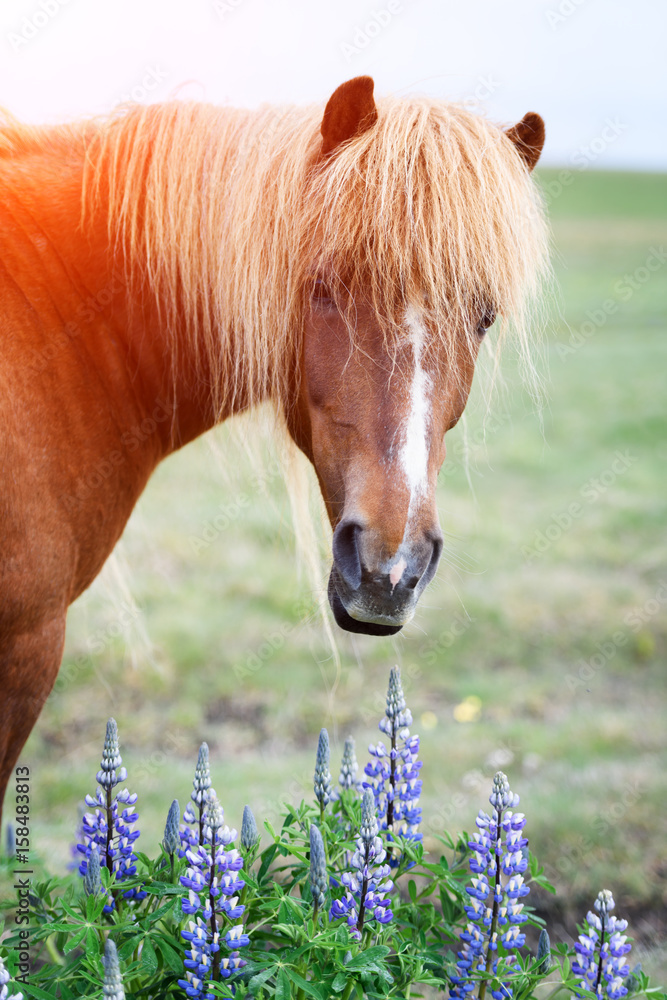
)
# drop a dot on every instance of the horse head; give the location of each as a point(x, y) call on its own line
point(383, 378)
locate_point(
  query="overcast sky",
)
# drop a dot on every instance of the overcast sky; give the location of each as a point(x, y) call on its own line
point(595, 69)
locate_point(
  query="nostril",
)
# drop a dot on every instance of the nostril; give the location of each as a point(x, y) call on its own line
point(346, 553)
point(435, 559)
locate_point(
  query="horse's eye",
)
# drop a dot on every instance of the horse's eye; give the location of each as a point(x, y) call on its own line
point(321, 294)
point(487, 320)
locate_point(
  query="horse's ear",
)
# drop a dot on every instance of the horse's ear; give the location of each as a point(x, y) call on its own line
point(350, 111)
point(528, 137)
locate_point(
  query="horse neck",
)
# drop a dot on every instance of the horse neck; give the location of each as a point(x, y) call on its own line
point(86, 363)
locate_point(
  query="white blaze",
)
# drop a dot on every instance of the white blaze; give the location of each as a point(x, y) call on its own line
point(414, 452)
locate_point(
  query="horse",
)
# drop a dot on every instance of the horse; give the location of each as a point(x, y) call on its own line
point(175, 264)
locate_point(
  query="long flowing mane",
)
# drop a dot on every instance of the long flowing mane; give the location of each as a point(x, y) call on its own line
point(232, 214)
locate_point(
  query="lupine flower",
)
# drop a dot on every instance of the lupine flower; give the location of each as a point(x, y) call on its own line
point(212, 903)
point(349, 766)
point(319, 880)
point(249, 834)
point(394, 772)
point(494, 911)
point(171, 839)
point(544, 953)
point(601, 950)
point(92, 882)
point(191, 832)
point(109, 828)
point(4, 988)
point(323, 786)
point(367, 883)
point(113, 983)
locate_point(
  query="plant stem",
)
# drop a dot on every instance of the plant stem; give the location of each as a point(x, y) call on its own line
point(392, 777)
point(364, 887)
point(599, 976)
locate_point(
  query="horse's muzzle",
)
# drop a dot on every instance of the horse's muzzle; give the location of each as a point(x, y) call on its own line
point(366, 600)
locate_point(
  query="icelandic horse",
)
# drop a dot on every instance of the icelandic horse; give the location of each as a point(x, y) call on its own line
point(178, 263)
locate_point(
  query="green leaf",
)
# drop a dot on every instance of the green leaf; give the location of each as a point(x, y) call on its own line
point(172, 959)
point(339, 982)
point(261, 978)
point(148, 957)
point(92, 942)
point(282, 986)
point(412, 890)
point(40, 994)
point(267, 857)
point(75, 941)
point(310, 989)
point(367, 957)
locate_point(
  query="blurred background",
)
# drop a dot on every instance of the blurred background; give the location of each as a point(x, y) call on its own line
point(540, 647)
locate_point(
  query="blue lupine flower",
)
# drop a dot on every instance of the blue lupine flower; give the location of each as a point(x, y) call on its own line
point(109, 828)
point(4, 988)
point(212, 903)
point(192, 830)
point(367, 883)
point(322, 782)
point(394, 772)
point(113, 983)
point(171, 839)
point(319, 879)
point(601, 949)
point(92, 882)
point(494, 910)
point(249, 834)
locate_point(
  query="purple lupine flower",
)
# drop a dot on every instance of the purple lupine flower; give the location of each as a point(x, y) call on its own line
point(494, 910)
point(109, 828)
point(394, 771)
point(367, 883)
point(113, 983)
point(601, 951)
point(4, 988)
point(212, 903)
point(319, 879)
point(192, 829)
point(322, 780)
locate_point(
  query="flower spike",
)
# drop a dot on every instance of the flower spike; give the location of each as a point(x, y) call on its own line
point(323, 786)
point(601, 951)
point(494, 910)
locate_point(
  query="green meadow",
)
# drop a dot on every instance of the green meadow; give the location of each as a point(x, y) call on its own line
point(539, 649)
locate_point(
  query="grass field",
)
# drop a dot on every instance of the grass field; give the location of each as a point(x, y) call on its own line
point(540, 648)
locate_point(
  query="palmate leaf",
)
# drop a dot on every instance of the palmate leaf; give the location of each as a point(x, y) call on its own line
point(310, 989)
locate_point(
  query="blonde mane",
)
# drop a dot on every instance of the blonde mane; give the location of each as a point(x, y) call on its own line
point(231, 215)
